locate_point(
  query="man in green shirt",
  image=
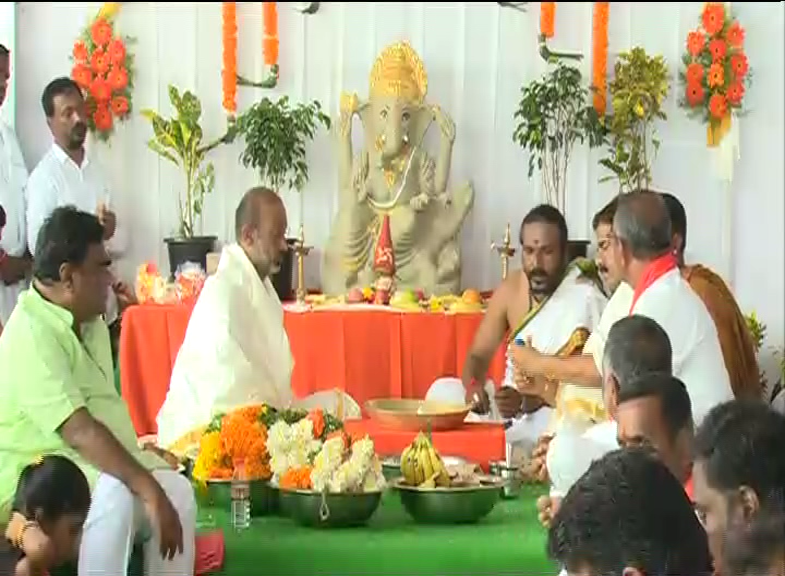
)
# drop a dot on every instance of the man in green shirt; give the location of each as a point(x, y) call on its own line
point(57, 396)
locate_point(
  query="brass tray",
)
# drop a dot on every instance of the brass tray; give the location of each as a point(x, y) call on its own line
point(417, 415)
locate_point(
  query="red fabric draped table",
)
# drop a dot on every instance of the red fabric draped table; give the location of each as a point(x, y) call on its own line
point(368, 353)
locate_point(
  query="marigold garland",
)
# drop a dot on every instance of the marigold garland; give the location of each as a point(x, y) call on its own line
point(715, 70)
point(104, 70)
point(270, 38)
point(229, 72)
point(600, 55)
point(547, 19)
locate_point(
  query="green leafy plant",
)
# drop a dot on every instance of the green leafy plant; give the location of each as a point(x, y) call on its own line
point(638, 91)
point(275, 136)
point(179, 140)
point(554, 114)
point(757, 330)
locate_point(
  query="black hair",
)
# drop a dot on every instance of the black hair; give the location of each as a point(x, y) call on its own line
point(751, 547)
point(637, 345)
point(3, 220)
point(65, 238)
point(675, 405)
point(57, 87)
point(4, 51)
point(610, 519)
point(52, 487)
point(547, 214)
point(606, 214)
point(247, 212)
point(643, 224)
point(740, 444)
point(678, 217)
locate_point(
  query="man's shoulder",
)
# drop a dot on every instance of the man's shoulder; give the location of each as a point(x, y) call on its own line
point(42, 172)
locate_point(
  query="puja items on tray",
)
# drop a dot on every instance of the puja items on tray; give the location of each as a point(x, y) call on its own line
point(423, 467)
point(151, 286)
point(413, 300)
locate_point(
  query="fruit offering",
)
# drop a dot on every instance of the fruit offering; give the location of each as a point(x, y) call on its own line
point(470, 301)
point(422, 466)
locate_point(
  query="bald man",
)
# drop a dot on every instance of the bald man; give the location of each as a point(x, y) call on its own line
point(236, 351)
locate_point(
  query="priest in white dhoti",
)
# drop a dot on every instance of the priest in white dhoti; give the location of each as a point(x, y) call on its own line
point(550, 305)
point(15, 260)
point(236, 351)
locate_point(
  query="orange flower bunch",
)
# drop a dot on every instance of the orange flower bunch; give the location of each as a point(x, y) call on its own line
point(229, 72)
point(716, 71)
point(547, 19)
point(241, 439)
point(270, 37)
point(103, 69)
point(296, 479)
point(600, 55)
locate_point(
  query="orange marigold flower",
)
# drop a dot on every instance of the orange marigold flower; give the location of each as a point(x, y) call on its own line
point(735, 35)
point(317, 417)
point(735, 93)
point(718, 49)
point(100, 90)
point(713, 17)
point(251, 413)
point(82, 75)
point(739, 64)
point(718, 106)
point(716, 75)
point(694, 73)
point(116, 51)
point(695, 42)
point(80, 52)
point(102, 118)
point(101, 32)
point(694, 94)
point(120, 105)
point(239, 434)
point(99, 61)
point(118, 78)
point(296, 479)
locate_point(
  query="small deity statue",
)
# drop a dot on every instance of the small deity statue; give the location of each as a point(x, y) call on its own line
point(384, 265)
point(393, 177)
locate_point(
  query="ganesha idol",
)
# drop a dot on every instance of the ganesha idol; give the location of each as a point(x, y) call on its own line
point(394, 178)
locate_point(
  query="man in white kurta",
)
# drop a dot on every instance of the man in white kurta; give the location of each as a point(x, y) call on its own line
point(548, 305)
point(236, 351)
point(15, 261)
point(67, 175)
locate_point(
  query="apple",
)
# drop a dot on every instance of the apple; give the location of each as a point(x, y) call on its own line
point(355, 296)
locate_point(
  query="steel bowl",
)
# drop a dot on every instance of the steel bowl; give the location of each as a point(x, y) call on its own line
point(218, 494)
point(459, 505)
point(328, 510)
point(417, 415)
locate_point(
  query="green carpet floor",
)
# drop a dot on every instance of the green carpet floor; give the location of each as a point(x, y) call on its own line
point(508, 541)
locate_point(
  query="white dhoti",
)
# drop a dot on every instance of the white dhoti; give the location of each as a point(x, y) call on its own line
point(117, 519)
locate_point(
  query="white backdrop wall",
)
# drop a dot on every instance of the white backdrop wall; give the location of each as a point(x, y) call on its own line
point(477, 56)
point(8, 39)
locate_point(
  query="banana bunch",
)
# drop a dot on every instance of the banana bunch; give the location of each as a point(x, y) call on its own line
point(422, 466)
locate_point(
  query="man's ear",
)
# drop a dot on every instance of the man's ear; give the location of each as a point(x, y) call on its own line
point(749, 504)
point(67, 274)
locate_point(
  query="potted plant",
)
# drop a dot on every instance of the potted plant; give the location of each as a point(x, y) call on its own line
point(555, 113)
point(276, 134)
point(638, 91)
point(179, 140)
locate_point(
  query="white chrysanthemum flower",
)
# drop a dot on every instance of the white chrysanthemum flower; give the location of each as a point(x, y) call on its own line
point(326, 463)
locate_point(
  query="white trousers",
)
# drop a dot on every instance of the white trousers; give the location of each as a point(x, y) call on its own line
point(115, 518)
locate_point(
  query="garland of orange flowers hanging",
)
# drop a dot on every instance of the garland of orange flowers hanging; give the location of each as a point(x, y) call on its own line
point(104, 70)
point(547, 30)
point(715, 71)
point(230, 79)
point(600, 55)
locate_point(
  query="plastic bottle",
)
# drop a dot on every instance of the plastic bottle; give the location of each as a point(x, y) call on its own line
point(241, 498)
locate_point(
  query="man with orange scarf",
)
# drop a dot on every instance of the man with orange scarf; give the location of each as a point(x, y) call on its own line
point(738, 349)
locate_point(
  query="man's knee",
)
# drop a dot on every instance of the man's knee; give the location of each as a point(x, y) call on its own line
point(179, 491)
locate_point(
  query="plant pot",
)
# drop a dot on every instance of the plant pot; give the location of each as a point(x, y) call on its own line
point(282, 280)
point(195, 249)
point(577, 249)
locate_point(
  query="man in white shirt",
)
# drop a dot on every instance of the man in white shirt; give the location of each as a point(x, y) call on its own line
point(15, 260)
point(67, 176)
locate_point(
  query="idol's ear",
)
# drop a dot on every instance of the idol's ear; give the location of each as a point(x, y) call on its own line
point(422, 117)
point(365, 111)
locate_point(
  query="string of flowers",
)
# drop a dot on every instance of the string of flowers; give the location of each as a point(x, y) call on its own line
point(270, 38)
point(600, 55)
point(104, 70)
point(715, 71)
point(547, 19)
point(229, 72)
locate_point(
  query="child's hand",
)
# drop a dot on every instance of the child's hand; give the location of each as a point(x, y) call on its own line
point(38, 548)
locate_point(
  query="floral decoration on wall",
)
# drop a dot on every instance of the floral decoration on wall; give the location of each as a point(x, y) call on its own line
point(104, 70)
point(715, 70)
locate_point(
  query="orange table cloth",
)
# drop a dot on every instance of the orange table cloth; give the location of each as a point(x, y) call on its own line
point(367, 353)
point(475, 442)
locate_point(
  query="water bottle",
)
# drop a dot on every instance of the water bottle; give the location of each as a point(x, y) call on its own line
point(241, 498)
